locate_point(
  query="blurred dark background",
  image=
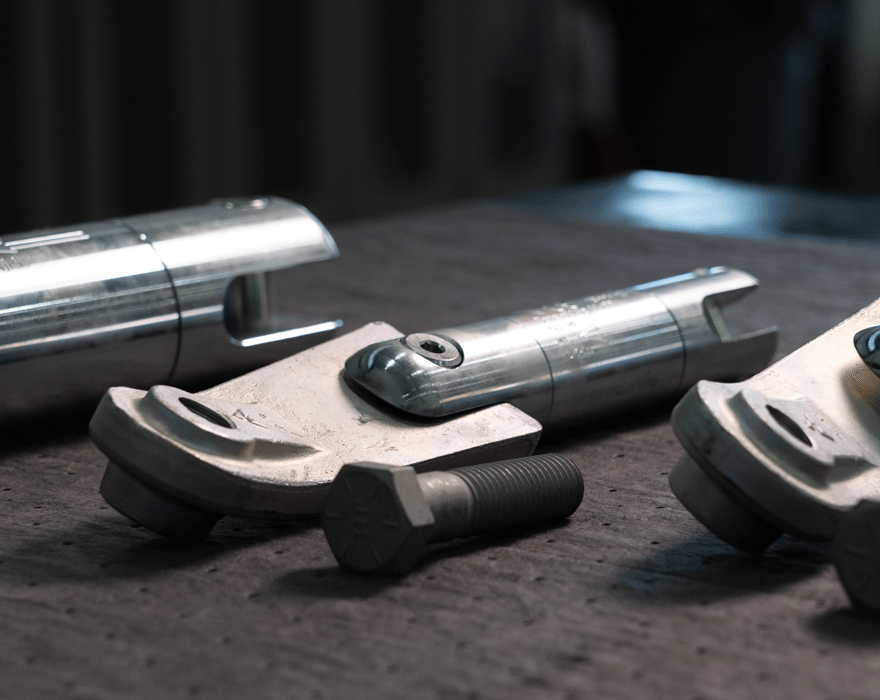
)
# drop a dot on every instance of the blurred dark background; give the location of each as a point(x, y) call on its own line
point(359, 107)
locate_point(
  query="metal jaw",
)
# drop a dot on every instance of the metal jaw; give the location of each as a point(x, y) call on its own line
point(793, 449)
point(575, 360)
point(269, 444)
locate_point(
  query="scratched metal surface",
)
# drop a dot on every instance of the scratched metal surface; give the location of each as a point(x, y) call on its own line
point(629, 598)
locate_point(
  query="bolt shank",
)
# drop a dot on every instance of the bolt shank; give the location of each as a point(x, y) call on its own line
point(451, 502)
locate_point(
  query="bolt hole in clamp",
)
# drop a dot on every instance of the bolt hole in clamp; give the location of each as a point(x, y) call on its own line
point(181, 296)
point(269, 444)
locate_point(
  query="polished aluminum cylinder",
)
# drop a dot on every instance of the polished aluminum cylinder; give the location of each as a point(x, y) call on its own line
point(161, 298)
point(574, 360)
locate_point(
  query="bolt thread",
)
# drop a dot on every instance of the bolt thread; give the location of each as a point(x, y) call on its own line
point(522, 491)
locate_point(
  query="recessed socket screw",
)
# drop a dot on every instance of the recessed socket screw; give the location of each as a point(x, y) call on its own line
point(856, 555)
point(378, 518)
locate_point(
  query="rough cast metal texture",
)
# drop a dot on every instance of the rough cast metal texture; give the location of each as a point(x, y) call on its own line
point(576, 360)
point(630, 598)
point(268, 444)
point(792, 449)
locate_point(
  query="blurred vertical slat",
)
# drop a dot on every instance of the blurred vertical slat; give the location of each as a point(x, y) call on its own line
point(284, 108)
point(67, 117)
point(515, 132)
point(402, 58)
point(37, 125)
point(11, 190)
point(214, 89)
point(860, 140)
point(337, 87)
point(97, 106)
point(353, 108)
point(147, 119)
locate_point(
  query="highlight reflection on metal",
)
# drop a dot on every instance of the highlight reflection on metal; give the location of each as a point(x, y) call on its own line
point(168, 297)
point(268, 444)
point(867, 344)
point(581, 359)
point(793, 449)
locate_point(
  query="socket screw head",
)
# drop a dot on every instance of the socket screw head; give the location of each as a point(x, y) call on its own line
point(376, 519)
point(442, 351)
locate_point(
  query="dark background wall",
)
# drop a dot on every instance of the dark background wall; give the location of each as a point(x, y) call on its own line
point(357, 107)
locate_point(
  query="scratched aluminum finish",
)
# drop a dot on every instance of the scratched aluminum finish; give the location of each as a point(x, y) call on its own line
point(280, 434)
point(172, 297)
point(69, 299)
point(576, 360)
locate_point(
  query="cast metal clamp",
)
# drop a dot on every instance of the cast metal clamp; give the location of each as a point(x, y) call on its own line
point(793, 449)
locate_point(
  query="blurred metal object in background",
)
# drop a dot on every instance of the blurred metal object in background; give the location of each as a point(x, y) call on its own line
point(169, 297)
point(574, 360)
point(793, 449)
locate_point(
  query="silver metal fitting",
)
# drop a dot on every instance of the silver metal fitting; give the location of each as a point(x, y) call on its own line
point(378, 518)
point(793, 449)
point(163, 298)
point(574, 360)
point(268, 444)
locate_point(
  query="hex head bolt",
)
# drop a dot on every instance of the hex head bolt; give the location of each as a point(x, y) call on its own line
point(378, 518)
point(856, 555)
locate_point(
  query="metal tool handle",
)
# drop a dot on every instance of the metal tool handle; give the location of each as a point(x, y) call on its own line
point(576, 359)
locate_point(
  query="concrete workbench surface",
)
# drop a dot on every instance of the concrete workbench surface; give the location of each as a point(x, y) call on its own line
point(630, 598)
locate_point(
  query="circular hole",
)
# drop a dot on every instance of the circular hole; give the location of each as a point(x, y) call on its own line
point(205, 412)
point(432, 346)
point(792, 427)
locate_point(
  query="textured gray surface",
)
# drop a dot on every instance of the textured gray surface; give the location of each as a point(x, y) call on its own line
point(629, 598)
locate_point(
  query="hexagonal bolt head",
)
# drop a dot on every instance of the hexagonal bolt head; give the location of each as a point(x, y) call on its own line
point(378, 518)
